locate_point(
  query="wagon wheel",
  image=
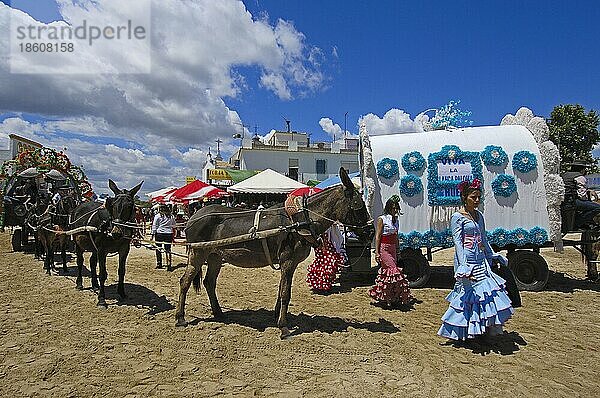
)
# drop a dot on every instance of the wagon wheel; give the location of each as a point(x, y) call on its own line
point(16, 240)
point(530, 270)
point(415, 267)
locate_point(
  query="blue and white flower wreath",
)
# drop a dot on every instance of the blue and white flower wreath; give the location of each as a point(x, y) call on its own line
point(413, 161)
point(504, 185)
point(387, 168)
point(410, 185)
point(518, 236)
point(493, 155)
point(414, 240)
point(524, 161)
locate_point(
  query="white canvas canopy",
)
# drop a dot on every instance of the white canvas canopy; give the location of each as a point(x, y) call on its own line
point(526, 208)
point(160, 192)
point(267, 181)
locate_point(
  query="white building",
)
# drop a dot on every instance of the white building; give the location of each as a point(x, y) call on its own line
point(292, 154)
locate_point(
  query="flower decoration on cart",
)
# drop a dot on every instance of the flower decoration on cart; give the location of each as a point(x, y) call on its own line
point(443, 190)
point(524, 162)
point(519, 236)
point(432, 238)
point(504, 185)
point(410, 185)
point(538, 236)
point(402, 241)
point(414, 240)
point(493, 155)
point(387, 168)
point(413, 161)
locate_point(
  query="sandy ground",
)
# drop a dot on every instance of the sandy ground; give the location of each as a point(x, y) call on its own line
point(56, 342)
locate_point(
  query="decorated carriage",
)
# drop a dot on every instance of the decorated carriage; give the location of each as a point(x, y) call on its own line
point(522, 191)
point(29, 181)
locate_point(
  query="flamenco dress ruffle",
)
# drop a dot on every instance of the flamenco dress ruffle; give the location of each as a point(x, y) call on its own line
point(323, 270)
point(476, 308)
point(391, 286)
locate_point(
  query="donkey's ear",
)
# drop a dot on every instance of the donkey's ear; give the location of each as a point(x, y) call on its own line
point(135, 189)
point(345, 179)
point(113, 187)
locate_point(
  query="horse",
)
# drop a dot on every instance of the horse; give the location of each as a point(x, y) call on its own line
point(113, 225)
point(51, 229)
point(288, 246)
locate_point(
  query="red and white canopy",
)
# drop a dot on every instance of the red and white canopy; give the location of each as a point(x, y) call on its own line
point(159, 195)
point(195, 190)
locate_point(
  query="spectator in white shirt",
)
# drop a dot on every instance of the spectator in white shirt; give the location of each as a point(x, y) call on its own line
point(162, 233)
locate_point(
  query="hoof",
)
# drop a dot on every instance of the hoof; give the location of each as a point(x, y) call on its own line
point(285, 333)
point(102, 305)
point(181, 323)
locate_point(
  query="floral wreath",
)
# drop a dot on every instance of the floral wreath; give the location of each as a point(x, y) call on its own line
point(387, 168)
point(410, 185)
point(414, 240)
point(524, 161)
point(433, 238)
point(519, 236)
point(434, 185)
point(493, 155)
point(402, 240)
point(413, 161)
point(504, 185)
point(538, 236)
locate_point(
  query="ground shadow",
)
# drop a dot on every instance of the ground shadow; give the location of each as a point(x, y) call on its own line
point(560, 282)
point(505, 344)
point(139, 296)
point(262, 319)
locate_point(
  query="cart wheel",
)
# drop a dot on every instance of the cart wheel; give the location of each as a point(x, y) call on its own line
point(530, 270)
point(16, 240)
point(415, 267)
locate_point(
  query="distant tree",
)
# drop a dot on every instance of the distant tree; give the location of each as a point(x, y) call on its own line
point(574, 132)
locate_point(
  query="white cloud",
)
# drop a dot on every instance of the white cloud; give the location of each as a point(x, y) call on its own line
point(196, 48)
point(159, 164)
point(332, 129)
point(393, 122)
point(155, 122)
point(277, 84)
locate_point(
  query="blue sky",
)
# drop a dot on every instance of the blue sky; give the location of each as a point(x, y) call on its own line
point(356, 57)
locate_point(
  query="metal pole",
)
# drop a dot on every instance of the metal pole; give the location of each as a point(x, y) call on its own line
point(345, 120)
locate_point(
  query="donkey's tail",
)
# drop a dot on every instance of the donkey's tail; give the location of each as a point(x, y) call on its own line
point(196, 281)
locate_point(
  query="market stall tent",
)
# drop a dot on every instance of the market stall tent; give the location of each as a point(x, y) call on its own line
point(193, 191)
point(159, 195)
point(267, 181)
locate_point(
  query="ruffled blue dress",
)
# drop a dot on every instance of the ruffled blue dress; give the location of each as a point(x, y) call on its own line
point(478, 305)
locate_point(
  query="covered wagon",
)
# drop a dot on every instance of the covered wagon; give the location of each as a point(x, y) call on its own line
point(522, 191)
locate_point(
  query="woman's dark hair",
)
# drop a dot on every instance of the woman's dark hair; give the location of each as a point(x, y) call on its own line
point(389, 206)
point(466, 192)
point(164, 209)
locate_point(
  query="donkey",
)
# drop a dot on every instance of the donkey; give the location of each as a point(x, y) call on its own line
point(287, 248)
point(114, 223)
point(50, 230)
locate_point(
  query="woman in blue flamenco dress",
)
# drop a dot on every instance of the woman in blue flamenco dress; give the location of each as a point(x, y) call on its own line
point(479, 304)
